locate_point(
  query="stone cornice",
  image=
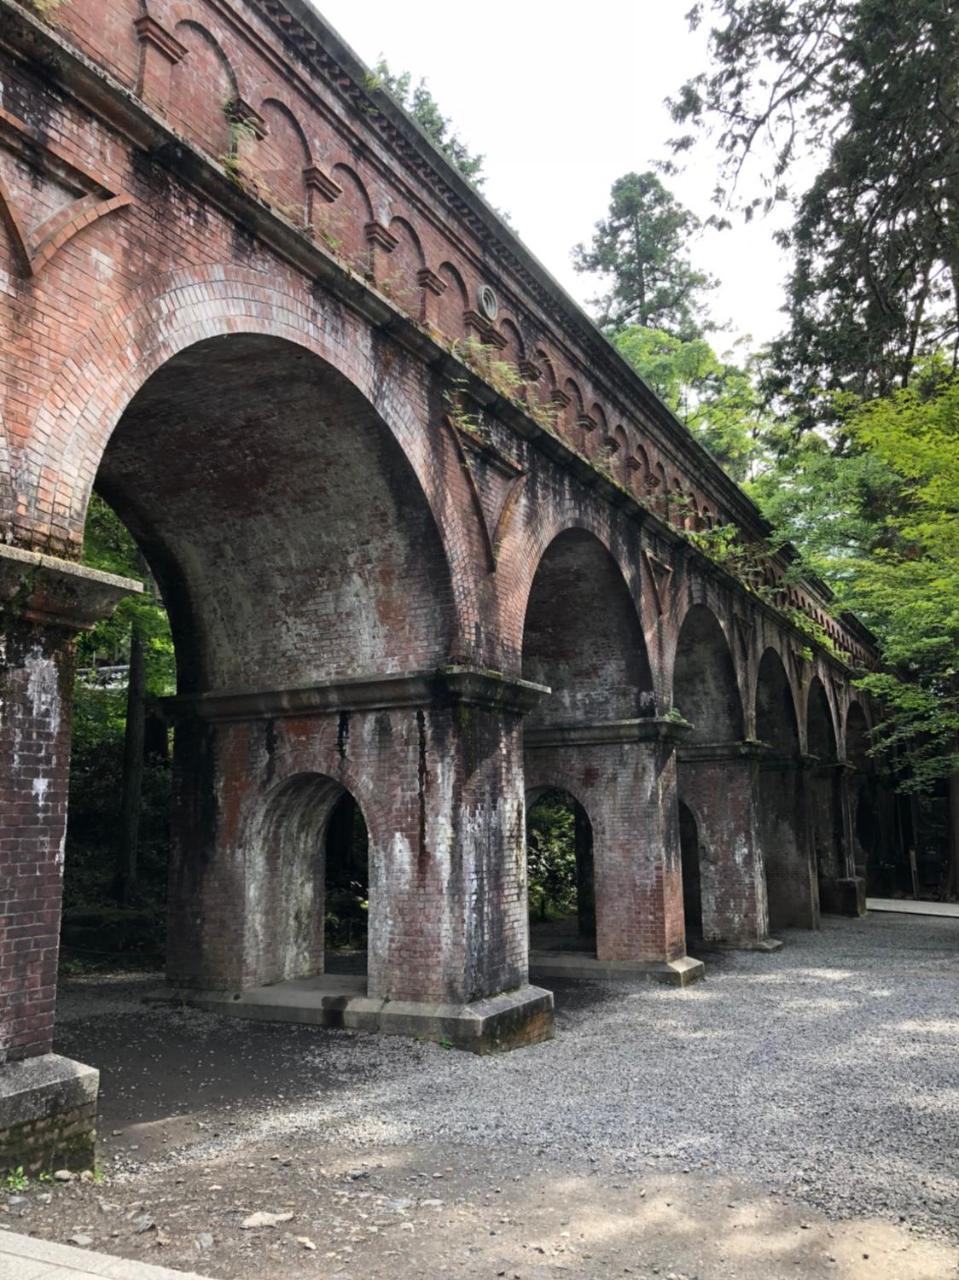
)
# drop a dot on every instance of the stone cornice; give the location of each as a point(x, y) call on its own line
point(44, 589)
point(606, 732)
point(97, 90)
point(320, 47)
point(742, 751)
point(446, 686)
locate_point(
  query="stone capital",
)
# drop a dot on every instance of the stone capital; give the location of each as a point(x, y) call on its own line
point(607, 732)
point(446, 686)
point(59, 593)
point(739, 752)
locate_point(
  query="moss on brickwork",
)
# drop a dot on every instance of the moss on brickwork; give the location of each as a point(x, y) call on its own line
point(66, 1140)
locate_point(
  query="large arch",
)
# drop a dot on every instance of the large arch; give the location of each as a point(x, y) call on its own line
point(582, 636)
point(825, 794)
point(295, 550)
point(594, 735)
point(705, 688)
point(167, 315)
point(717, 787)
point(870, 818)
point(287, 531)
point(790, 882)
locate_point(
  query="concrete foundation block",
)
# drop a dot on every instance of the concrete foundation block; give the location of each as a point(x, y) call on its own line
point(510, 1020)
point(572, 964)
point(48, 1114)
point(843, 897)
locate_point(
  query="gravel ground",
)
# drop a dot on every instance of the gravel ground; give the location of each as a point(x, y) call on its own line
point(826, 1074)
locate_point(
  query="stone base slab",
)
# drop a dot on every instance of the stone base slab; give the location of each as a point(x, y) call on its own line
point(48, 1114)
point(843, 897)
point(510, 1020)
point(575, 964)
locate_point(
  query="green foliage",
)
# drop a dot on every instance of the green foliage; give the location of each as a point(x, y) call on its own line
point(45, 9)
point(96, 931)
point(908, 589)
point(718, 401)
point(872, 505)
point(640, 246)
point(870, 91)
point(551, 854)
point(16, 1179)
point(423, 107)
point(109, 546)
point(347, 877)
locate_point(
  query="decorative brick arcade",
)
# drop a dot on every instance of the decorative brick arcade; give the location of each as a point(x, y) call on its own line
point(422, 536)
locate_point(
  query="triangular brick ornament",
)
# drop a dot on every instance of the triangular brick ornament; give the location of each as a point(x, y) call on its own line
point(741, 628)
point(71, 197)
point(659, 575)
point(495, 483)
point(798, 662)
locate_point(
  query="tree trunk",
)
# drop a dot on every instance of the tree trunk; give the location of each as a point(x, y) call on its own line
point(132, 786)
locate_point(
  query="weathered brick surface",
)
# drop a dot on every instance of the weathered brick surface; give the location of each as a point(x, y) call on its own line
point(35, 690)
point(239, 292)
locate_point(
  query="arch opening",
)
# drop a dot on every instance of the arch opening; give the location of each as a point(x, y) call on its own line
point(582, 636)
point(346, 850)
point(311, 886)
point(283, 522)
point(705, 689)
point(872, 856)
point(824, 793)
point(790, 887)
point(692, 879)
point(560, 872)
point(293, 547)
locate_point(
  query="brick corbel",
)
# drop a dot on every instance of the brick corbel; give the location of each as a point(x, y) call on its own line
point(431, 282)
point(240, 112)
point(321, 190)
point(159, 53)
point(432, 287)
point(477, 326)
point(529, 371)
point(382, 242)
point(316, 180)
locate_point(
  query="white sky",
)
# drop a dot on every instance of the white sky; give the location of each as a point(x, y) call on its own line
point(562, 100)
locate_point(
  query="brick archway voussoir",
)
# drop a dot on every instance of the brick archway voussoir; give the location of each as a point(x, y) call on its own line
point(162, 318)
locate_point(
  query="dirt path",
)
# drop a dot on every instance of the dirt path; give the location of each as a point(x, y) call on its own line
point(428, 1211)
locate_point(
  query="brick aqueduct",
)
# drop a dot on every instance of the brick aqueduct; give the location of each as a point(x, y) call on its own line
point(423, 536)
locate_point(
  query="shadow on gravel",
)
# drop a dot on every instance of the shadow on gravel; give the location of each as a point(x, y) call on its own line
point(169, 1073)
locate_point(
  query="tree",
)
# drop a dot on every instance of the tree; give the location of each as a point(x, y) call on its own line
point(880, 521)
point(641, 247)
point(718, 401)
point(423, 107)
point(870, 92)
point(119, 770)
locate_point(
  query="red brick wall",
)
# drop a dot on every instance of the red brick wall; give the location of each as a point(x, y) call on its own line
point(35, 684)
